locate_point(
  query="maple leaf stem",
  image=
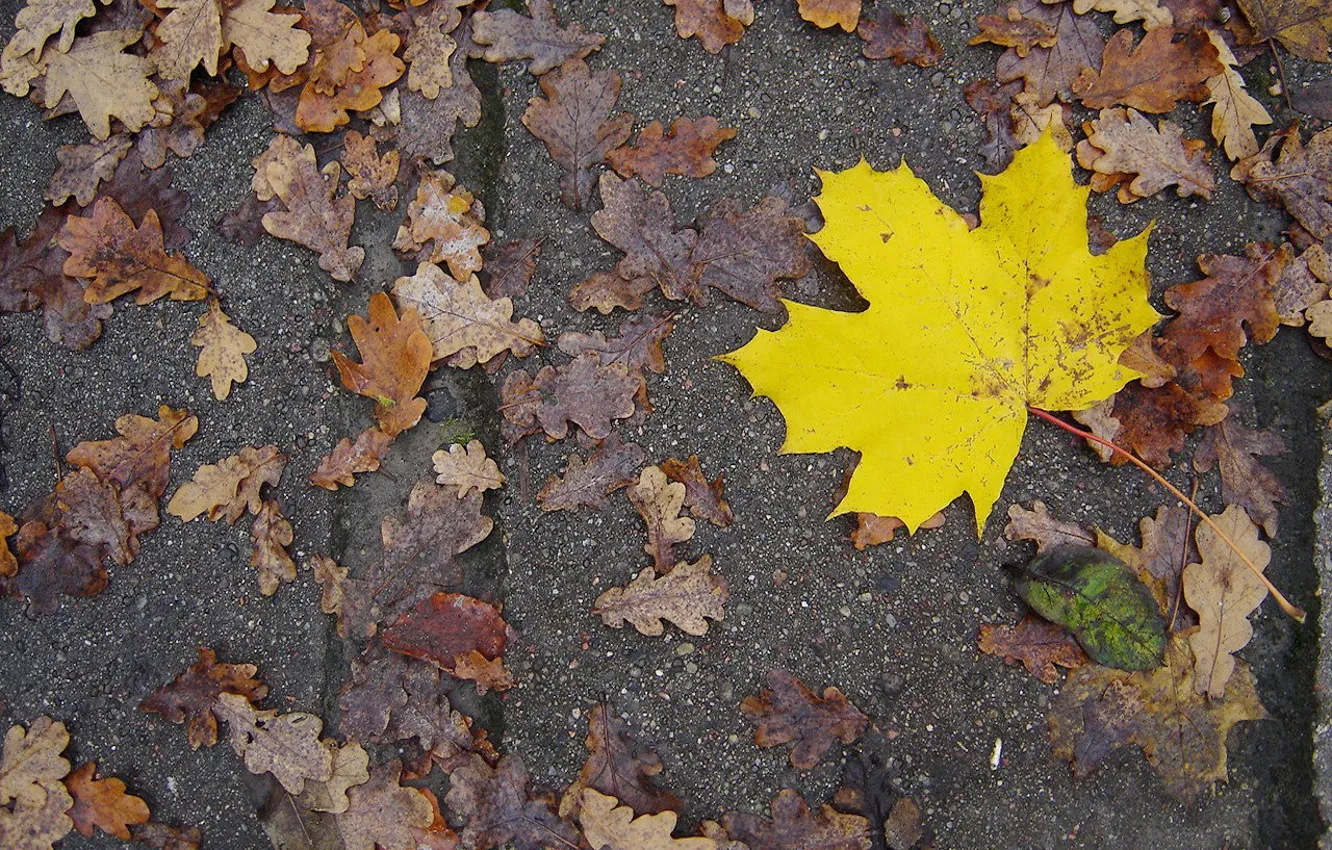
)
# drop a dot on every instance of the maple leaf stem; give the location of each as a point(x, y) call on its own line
point(1291, 610)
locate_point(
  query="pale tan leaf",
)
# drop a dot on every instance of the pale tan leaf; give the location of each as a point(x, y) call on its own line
point(685, 596)
point(659, 501)
point(83, 72)
point(607, 823)
point(223, 347)
point(429, 47)
point(464, 325)
point(1235, 111)
point(31, 761)
point(285, 745)
point(350, 763)
point(189, 35)
point(383, 813)
point(271, 535)
point(229, 487)
point(266, 36)
point(444, 225)
point(467, 468)
point(84, 167)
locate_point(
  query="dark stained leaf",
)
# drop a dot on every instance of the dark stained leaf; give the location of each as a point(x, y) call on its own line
point(614, 465)
point(786, 711)
point(191, 696)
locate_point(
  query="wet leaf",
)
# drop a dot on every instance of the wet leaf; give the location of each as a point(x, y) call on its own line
point(1298, 177)
point(118, 258)
point(1124, 149)
point(383, 813)
point(84, 167)
point(902, 39)
point(685, 150)
point(612, 466)
point(1152, 76)
point(619, 766)
point(744, 253)
point(191, 697)
point(1234, 450)
point(30, 762)
point(349, 458)
point(703, 498)
point(786, 711)
point(322, 111)
point(1036, 644)
point(395, 357)
point(794, 827)
point(1048, 73)
point(444, 225)
point(465, 327)
point(1303, 27)
point(1235, 112)
point(446, 626)
point(501, 811)
point(606, 823)
point(659, 501)
point(223, 347)
point(189, 35)
point(370, 175)
point(507, 36)
point(311, 216)
point(286, 745)
point(229, 487)
point(507, 267)
point(685, 596)
point(103, 803)
point(874, 530)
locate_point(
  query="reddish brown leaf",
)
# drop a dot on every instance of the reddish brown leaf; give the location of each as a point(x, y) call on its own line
point(191, 696)
point(583, 392)
point(612, 466)
point(702, 497)
point(1155, 421)
point(619, 766)
point(640, 223)
point(52, 563)
point(8, 563)
point(638, 345)
point(508, 35)
point(1035, 643)
point(89, 511)
point(103, 803)
point(873, 530)
point(574, 121)
point(993, 103)
point(321, 111)
point(1298, 177)
point(1152, 76)
point(794, 827)
point(244, 225)
point(160, 836)
point(1236, 294)
point(1050, 72)
point(686, 150)
point(605, 291)
point(743, 253)
point(119, 258)
point(787, 711)
point(446, 626)
point(499, 809)
point(1044, 529)
point(508, 267)
point(26, 265)
point(904, 40)
point(716, 23)
point(1015, 30)
point(1234, 450)
point(83, 168)
point(348, 458)
point(395, 356)
point(140, 457)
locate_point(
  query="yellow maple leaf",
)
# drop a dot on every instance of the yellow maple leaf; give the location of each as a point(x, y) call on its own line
point(965, 330)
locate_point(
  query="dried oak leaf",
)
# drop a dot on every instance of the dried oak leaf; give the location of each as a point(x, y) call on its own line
point(395, 357)
point(1122, 144)
point(1298, 178)
point(787, 711)
point(229, 487)
point(613, 465)
point(1304, 27)
point(685, 150)
point(716, 23)
point(1182, 734)
point(370, 175)
point(903, 39)
point(831, 13)
point(638, 345)
point(1030, 122)
point(348, 458)
point(507, 267)
point(619, 766)
point(428, 126)
point(30, 761)
point(322, 112)
point(994, 103)
point(330, 577)
point(160, 836)
point(1303, 284)
point(499, 809)
point(1015, 30)
point(1155, 421)
point(467, 468)
point(743, 253)
point(84, 167)
point(430, 47)
point(576, 123)
point(37, 825)
point(1224, 592)
point(271, 534)
point(608, 823)
point(350, 769)
point(82, 74)
point(1234, 110)
point(794, 827)
point(447, 626)
point(140, 458)
point(103, 803)
point(1038, 644)
point(658, 501)
point(873, 530)
point(263, 36)
point(583, 392)
point(191, 697)
point(8, 563)
point(1154, 75)
point(605, 291)
point(464, 326)
point(118, 257)
point(90, 512)
point(285, 745)
point(641, 224)
point(444, 225)
point(1245, 482)
point(1149, 12)
point(1235, 297)
point(182, 117)
point(38, 20)
point(1043, 528)
point(1050, 72)
point(685, 596)
point(189, 35)
point(507, 36)
point(28, 266)
point(223, 347)
point(703, 498)
point(311, 215)
point(382, 813)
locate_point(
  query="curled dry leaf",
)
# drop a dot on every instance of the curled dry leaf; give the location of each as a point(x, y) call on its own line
point(229, 487)
point(702, 497)
point(786, 711)
point(444, 225)
point(1235, 112)
point(606, 822)
point(465, 326)
point(685, 596)
point(794, 827)
point(905, 40)
point(467, 468)
point(583, 392)
point(1122, 144)
point(223, 347)
point(311, 215)
point(1037, 644)
point(271, 534)
point(715, 23)
point(658, 501)
point(285, 745)
point(614, 464)
point(191, 697)
point(507, 35)
point(395, 357)
point(349, 458)
point(118, 258)
point(685, 150)
point(103, 803)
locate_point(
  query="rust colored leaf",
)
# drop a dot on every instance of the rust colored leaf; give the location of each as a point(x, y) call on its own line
point(786, 711)
point(831, 13)
point(619, 766)
point(160, 836)
point(1015, 30)
point(28, 265)
point(613, 465)
point(658, 501)
point(1142, 160)
point(444, 225)
point(702, 497)
point(507, 267)
point(993, 103)
point(1297, 177)
point(285, 745)
point(743, 253)
point(464, 326)
point(873, 530)
point(576, 123)
point(1155, 421)
point(271, 535)
point(715, 23)
point(685, 150)
point(1042, 528)
point(467, 468)
point(311, 215)
point(395, 357)
point(371, 176)
point(794, 827)
point(1050, 72)
point(583, 392)
point(119, 258)
point(84, 167)
point(103, 803)
point(1154, 75)
point(8, 563)
point(349, 458)
point(447, 626)
point(1235, 296)
point(1035, 643)
point(640, 223)
point(687, 596)
point(321, 111)
point(140, 459)
point(192, 696)
point(507, 36)
point(223, 347)
point(1234, 450)
point(902, 39)
point(229, 487)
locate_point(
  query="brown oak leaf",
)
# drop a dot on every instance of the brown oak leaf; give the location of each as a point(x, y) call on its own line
point(786, 711)
point(507, 267)
point(430, 47)
point(191, 697)
point(464, 326)
point(384, 813)
point(160, 836)
point(1302, 26)
point(1235, 297)
point(1234, 450)
point(903, 39)
point(687, 596)
point(607, 822)
point(993, 103)
point(873, 530)
point(1050, 72)
point(1035, 643)
point(1044, 529)
point(427, 126)
point(349, 458)
point(223, 347)
point(89, 511)
point(685, 150)
point(715, 23)
point(620, 766)
point(311, 215)
point(743, 253)
point(271, 534)
point(1303, 284)
point(501, 811)
point(84, 167)
point(612, 466)
point(1298, 177)
point(118, 257)
point(103, 803)
point(1154, 422)
point(37, 21)
point(285, 745)
point(794, 827)
point(395, 357)
point(1124, 149)
point(831, 13)
point(444, 225)
point(605, 291)
point(350, 763)
point(507, 36)
point(263, 36)
point(583, 392)
point(658, 501)
point(703, 498)
point(189, 35)
point(370, 175)
point(230, 487)
point(467, 468)
point(576, 123)
point(1015, 30)
point(82, 71)
point(140, 458)
point(8, 563)
point(638, 345)
point(1154, 75)
point(641, 224)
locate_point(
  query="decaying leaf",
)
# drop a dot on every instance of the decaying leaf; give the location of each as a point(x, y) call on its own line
point(1122, 144)
point(82, 71)
point(1304, 27)
point(715, 23)
point(703, 498)
point(794, 827)
point(744, 253)
point(160, 836)
point(8, 563)
point(430, 46)
point(1050, 72)
point(500, 810)
point(1235, 112)
point(444, 225)
point(229, 487)
point(322, 111)
point(786, 711)
point(583, 392)
point(191, 697)
point(994, 104)
point(873, 530)
point(265, 36)
point(1015, 30)
point(1234, 449)
point(383, 813)
point(189, 35)
point(370, 175)
point(464, 325)
point(606, 822)
point(641, 224)
point(271, 534)
point(311, 216)
point(507, 267)
point(84, 167)
point(575, 122)
point(285, 745)
point(350, 769)
point(118, 257)
point(1298, 177)
point(223, 347)
point(349, 458)
point(685, 150)
point(448, 626)
point(1038, 644)
point(614, 464)
point(1152, 76)
point(1230, 307)
point(103, 803)
point(467, 468)
point(507, 36)
point(1149, 12)
point(902, 39)
point(619, 766)
point(685, 596)
point(140, 458)
point(658, 501)
point(30, 762)
point(395, 357)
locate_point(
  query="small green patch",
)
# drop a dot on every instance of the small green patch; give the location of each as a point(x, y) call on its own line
point(454, 430)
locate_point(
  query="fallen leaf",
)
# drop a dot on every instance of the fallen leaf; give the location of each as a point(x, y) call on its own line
point(786, 711)
point(638, 345)
point(507, 36)
point(1037, 644)
point(428, 126)
point(383, 813)
point(1302, 284)
point(831, 13)
point(1152, 76)
point(575, 122)
point(103, 803)
point(1048, 73)
point(1122, 144)
point(8, 563)
point(619, 766)
point(613, 465)
point(606, 822)
point(37, 825)
point(1030, 122)
point(191, 697)
point(322, 112)
point(271, 534)
point(685, 150)
point(1015, 30)
point(444, 225)
point(744, 253)
point(118, 258)
point(38, 20)
point(500, 811)
point(311, 215)
point(350, 769)
point(1303, 27)
point(348, 458)
point(794, 827)
point(264, 36)
point(160, 836)
point(901, 39)
point(1234, 110)
point(90, 512)
point(1154, 422)
point(286, 745)
point(488, 674)
point(640, 223)
point(994, 104)
point(82, 71)
point(463, 325)
point(1149, 12)
point(605, 291)
point(229, 487)
point(370, 175)
point(330, 577)
point(52, 563)
point(30, 761)
point(467, 468)
point(684, 596)
point(702, 497)
point(658, 501)
point(1230, 307)
point(223, 347)
point(507, 267)
point(189, 35)
point(873, 530)
point(715, 23)
point(395, 357)
point(583, 392)
point(446, 626)
point(84, 167)
point(140, 458)
point(1245, 482)
point(903, 247)
point(1298, 178)
point(430, 46)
